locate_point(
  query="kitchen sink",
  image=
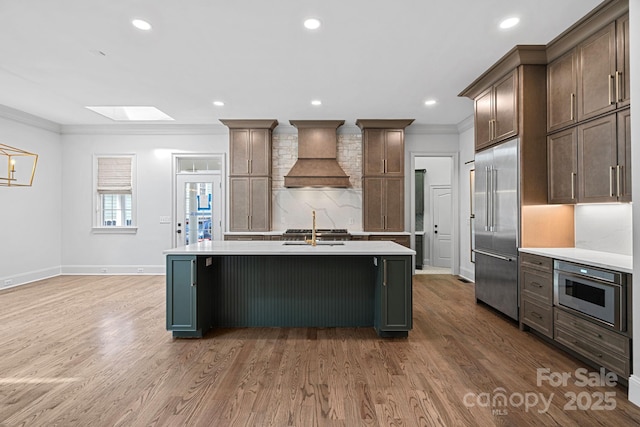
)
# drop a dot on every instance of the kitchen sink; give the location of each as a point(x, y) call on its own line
point(318, 243)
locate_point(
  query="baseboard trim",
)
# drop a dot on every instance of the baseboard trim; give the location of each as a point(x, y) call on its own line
point(634, 390)
point(467, 274)
point(113, 270)
point(32, 276)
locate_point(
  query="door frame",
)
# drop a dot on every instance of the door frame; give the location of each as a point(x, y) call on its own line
point(455, 203)
point(175, 157)
point(432, 239)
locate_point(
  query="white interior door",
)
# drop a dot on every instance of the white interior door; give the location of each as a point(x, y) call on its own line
point(199, 208)
point(441, 244)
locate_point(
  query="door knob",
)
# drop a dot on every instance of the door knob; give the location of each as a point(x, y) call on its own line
point(178, 231)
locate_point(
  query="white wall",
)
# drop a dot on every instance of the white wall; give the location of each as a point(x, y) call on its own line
point(85, 252)
point(467, 154)
point(634, 28)
point(30, 236)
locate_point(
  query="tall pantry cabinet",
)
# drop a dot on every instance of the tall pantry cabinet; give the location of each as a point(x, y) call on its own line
point(383, 174)
point(250, 143)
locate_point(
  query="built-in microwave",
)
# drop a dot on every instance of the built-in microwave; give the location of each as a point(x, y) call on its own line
point(597, 293)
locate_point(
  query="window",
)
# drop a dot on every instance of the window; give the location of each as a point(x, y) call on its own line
point(114, 193)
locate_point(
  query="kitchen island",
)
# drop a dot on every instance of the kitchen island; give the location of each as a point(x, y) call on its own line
point(289, 284)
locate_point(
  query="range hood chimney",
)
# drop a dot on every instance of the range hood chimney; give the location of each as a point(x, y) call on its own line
point(317, 150)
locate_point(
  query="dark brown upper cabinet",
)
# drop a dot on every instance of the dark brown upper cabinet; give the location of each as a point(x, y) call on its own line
point(590, 79)
point(496, 111)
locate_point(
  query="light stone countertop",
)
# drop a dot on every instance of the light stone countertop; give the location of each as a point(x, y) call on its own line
point(279, 247)
point(611, 261)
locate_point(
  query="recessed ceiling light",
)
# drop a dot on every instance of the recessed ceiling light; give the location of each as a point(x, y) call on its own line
point(430, 102)
point(129, 114)
point(141, 24)
point(316, 102)
point(312, 23)
point(218, 103)
point(509, 22)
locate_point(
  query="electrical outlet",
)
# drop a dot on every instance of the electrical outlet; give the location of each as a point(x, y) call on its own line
point(350, 221)
point(8, 282)
point(140, 270)
point(103, 270)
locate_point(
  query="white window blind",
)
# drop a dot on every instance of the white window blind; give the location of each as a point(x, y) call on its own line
point(114, 175)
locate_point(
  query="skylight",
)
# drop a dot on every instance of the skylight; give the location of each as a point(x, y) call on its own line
point(131, 114)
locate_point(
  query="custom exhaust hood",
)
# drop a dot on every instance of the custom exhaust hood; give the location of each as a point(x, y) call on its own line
point(317, 150)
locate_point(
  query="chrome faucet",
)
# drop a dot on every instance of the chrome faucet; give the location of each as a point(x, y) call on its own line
point(312, 241)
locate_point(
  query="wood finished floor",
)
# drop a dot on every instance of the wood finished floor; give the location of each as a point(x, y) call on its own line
point(93, 351)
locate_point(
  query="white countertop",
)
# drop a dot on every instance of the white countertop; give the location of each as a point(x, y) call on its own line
point(623, 263)
point(280, 247)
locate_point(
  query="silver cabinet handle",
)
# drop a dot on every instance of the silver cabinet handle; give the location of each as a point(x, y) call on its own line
point(572, 99)
point(573, 185)
point(618, 91)
point(611, 84)
point(619, 180)
point(384, 272)
point(612, 171)
point(193, 272)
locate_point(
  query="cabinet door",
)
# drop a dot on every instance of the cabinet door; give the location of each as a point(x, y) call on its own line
point(561, 91)
point(373, 199)
point(239, 198)
point(181, 293)
point(260, 211)
point(623, 176)
point(597, 160)
point(623, 93)
point(505, 124)
point(394, 152)
point(240, 151)
point(260, 160)
point(483, 117)
point(393, 204)
point(562, 152)
point(395, 294)
point(374, 151)
point(596, 73)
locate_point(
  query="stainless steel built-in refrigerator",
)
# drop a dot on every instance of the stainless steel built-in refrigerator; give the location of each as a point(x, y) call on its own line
point(497, 221)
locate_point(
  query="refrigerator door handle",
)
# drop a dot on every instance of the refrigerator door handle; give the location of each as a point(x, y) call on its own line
point(492, 225)
point(504, 258)
point(487, 198)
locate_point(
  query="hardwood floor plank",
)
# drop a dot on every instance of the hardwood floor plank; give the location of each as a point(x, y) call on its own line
point(93, 350)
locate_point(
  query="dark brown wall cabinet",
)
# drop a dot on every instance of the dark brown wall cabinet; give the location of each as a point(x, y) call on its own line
point(591, 79)
point(383, 174)
point(250, 143)
point(496, 112)
point(590, 163)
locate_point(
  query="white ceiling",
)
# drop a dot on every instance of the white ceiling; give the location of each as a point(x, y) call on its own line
point(370, 58)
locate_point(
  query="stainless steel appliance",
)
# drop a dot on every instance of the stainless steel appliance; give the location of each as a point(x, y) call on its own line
point(594, 292)
point(321, 234)
point(497, 214)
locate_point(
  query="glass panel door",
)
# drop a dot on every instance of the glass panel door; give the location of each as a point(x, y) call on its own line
point(199, 208)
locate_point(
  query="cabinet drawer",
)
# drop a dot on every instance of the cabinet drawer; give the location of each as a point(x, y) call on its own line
point(536, 261)
point(537, 284)
point(537, 316)
point(615, 362)
point(597, 334)
point(244, 237)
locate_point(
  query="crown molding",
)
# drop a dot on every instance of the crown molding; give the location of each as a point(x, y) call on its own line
point(431, 130)
point(145, 129)
point(28, 119)
point(465, 124)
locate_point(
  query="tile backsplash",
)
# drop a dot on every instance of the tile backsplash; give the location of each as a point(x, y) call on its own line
point(604, 227)
point(335, 207)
